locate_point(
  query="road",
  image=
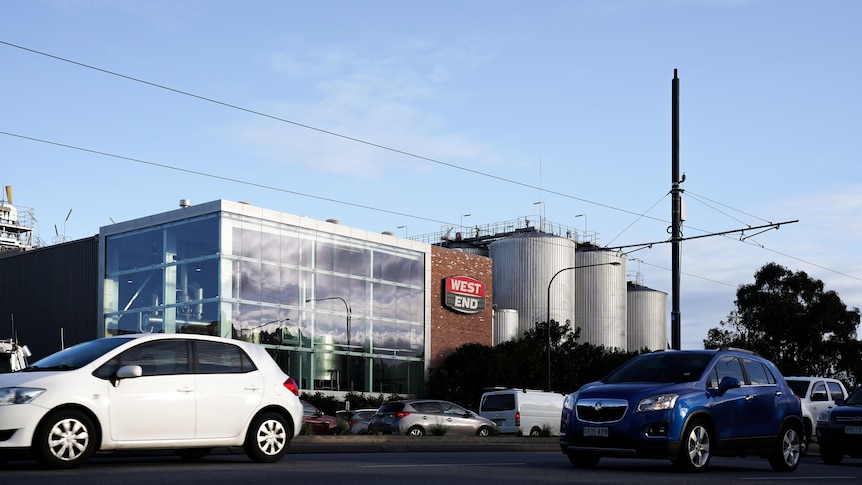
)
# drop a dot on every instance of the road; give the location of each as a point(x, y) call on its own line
point(444, 467)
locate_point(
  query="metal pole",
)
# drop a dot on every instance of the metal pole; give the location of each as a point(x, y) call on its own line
point(676, 218)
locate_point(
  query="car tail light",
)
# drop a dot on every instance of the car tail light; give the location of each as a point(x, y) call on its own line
point(401, 414)
point(517, 418)
point(291, 386)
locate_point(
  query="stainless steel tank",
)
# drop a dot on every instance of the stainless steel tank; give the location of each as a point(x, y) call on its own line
point(647, 318)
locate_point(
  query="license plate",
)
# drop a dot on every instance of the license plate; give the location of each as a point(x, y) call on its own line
point(853, 430)
point(596, 431)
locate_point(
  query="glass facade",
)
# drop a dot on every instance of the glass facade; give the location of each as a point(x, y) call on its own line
point(337, 313)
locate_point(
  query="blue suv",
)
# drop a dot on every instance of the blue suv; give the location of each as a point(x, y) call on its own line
point(686, 406)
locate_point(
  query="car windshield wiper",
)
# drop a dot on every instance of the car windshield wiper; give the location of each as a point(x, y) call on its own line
point(35, 368)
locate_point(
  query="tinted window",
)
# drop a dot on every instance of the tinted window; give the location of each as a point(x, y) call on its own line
point(221, 358)
point(799, 387)
point(758, 374)
point(729, 366)
point(498, 402)
point(835, 390)
point(428, 407)
point(391, 407)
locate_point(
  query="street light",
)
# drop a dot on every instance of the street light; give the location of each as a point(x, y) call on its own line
point(345, 306)
point(462, 220)
point(541, 205)
point(612, 263)
point(585, 223)
point(405, 230)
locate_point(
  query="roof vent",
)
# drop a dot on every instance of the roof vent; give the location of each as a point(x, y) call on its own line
point(333, 221)
point(389, 233)
point(185, 203)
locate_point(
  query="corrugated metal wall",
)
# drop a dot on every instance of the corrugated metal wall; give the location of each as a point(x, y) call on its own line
point(52, 294)
point(600, 298)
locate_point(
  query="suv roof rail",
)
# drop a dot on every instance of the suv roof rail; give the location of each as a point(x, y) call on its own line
point(737, 349)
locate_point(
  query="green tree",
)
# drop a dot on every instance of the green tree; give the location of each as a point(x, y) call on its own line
point(790, 319)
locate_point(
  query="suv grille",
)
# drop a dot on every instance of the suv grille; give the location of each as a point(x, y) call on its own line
point(601, 410)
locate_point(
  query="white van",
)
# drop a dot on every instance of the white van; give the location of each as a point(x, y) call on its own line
point(523, 411)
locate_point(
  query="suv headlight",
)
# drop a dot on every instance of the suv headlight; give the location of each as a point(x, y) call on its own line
point(823, 417)
point(18, 395)
point(661, 402)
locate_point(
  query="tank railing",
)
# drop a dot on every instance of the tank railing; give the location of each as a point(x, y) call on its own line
point(482, 233)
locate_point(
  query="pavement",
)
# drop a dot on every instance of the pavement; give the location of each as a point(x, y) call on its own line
point(422, 444)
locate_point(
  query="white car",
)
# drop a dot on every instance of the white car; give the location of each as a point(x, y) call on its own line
point(817, 394)
point(184, 392)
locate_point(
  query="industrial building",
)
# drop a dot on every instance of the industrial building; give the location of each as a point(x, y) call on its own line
point(339, 308)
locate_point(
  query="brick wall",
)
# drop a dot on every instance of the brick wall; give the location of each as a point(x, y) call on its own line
point(450, 329)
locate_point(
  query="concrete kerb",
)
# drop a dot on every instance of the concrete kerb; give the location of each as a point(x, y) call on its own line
point(401, 444)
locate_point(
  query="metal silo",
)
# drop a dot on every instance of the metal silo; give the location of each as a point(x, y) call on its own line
point(523, 267)
point(647, 318)
point(466, 247)
point(600, 298)
point(505, 326)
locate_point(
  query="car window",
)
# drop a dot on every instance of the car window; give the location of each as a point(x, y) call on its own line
point(727, 366)
point(799, 387)
point(157, 358)
point(221, 358)
point(498, 402)
point(431, 407)
point(835, 390)
point(818, 392)
point(453, 409)
point(392, 407)
point(78, 355)
point(758, 373)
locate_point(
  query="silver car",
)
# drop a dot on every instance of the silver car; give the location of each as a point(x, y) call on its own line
point(418, 417)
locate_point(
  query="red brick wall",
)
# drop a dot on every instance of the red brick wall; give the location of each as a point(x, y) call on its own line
point(450, 329)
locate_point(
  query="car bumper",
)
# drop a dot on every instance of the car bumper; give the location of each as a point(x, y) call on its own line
point(18, 423)
point(646, 435)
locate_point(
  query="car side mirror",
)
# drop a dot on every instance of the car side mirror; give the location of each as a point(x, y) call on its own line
point(727, 383)
point(818, 396)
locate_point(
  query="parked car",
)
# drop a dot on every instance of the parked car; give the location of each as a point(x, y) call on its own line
point(523, 411)
point(320, 423)
point(184, 392)
point(817, 394)
point(418, 417)
point(686, 406)
point(839, 430)
point(357, 419)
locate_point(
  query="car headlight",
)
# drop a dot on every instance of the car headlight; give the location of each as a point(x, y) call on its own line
point(823, 417)
point(661, 402)
point(569, 401)
point(18, 395)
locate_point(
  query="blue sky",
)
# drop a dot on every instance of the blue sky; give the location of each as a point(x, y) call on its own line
point(405, 117)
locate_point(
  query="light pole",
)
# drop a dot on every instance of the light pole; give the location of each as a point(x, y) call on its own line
point(405, 230)
point(346, 305)
point(462, 220)
point(612, 263)
point(585, 223)
point(541, 205)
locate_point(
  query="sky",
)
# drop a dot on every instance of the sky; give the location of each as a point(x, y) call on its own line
point(415, 117)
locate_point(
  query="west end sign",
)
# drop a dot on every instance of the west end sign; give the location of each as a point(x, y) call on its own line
point(464, 294)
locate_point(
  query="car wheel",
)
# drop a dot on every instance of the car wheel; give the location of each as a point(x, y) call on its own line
point(830, 455)
point(65, 439)
point(694, 449)
point(788, 451)
point(416, 431)
point(583, 459)
point(484, 431)
point(268, 438)
point(192, 454)
point(535, 431)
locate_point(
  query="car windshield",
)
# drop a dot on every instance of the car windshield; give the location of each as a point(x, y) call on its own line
point(670, 367)
point(78, 355)
point(855, 398)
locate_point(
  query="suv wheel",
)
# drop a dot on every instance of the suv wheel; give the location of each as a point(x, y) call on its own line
point(416, 431)
point(694, 450)
point(788, 451)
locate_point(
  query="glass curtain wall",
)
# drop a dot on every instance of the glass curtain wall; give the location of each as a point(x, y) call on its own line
point(337, 313)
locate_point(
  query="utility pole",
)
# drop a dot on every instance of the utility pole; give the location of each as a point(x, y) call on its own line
point(676, 217)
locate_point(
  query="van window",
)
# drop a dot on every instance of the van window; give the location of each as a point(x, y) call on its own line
point(498, 402)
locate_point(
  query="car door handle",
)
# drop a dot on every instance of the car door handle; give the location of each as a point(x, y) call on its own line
point(749, 397)
point(185, 390)
point(252, 388)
